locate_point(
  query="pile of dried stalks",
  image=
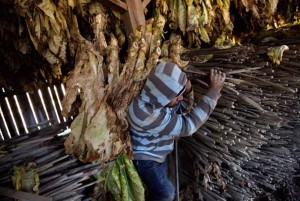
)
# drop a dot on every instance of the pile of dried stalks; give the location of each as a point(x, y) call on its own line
point(246, 145)
point(249, 144)
point(37, 47)
point(58, 175)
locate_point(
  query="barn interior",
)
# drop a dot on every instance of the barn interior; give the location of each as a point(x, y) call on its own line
point(69, 70)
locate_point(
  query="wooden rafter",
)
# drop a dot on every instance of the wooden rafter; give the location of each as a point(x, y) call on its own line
point(119, 3)
point(123, 5)
point(133, 11)
point(146, 2)
point(134, 16)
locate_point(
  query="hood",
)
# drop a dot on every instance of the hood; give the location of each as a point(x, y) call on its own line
point(163, 83)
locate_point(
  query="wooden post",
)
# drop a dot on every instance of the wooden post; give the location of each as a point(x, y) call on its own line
point(134, 16)
point(133, 12)
point(21, 195)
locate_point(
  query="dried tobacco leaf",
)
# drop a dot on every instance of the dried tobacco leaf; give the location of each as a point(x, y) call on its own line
point(74, 144)
point(98, 137)
point(275, 53)
point(182, 15)
point(25, 177)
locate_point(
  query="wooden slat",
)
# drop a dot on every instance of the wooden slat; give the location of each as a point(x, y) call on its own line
point(38, 108)
point(115, 4)
point(13, 114)
point(48, 105)
point(134, 16)
point(6, 117)
point(54, 105)
point(31, 114)
point(145, 3)
point(22, 195)
point(119, 3)
point(57, 92)
point(5, 133)
point(21, 107)
point(24, 118)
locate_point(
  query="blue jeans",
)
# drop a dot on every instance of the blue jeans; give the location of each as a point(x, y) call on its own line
point(155, 177)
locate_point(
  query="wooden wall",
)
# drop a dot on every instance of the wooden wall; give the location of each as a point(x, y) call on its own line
point(24, 113)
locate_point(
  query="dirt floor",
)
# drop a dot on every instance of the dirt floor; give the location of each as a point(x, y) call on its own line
point(288, 191)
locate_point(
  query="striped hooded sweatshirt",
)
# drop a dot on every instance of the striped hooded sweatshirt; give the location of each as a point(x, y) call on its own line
point(153, 125)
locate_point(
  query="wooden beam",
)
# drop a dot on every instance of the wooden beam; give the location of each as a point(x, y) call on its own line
point(132, 10)
point(134, 16)
point(116, 4)
point(21, 195)
point(146, 2)
point(119, 3)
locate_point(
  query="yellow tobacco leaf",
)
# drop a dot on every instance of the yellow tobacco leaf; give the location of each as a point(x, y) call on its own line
point(25, 177)
point(203, 34)
point(72, 142)
point(48, 8)
point(98, 136)
point(182, 15)
point(71, 3)
point(54, 43)
point(51, 58)
point(37, 27)
point(275, 53)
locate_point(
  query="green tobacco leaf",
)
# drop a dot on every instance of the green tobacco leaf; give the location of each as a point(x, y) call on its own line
point(135, 182)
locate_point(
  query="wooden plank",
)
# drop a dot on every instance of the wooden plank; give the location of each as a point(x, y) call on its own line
point(38, 110)
point(63, 196)
point(50, 156)
point(134, 16)
point(55, 105)
point(119, 3)
point(48, 109)
point(8, 129)
point(145, 3)
point(52, 183)
point(13, 111)
point(56, 168)
point(58, 94)
point(22, 195)
point(24, 106)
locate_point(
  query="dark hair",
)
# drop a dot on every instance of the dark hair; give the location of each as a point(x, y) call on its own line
point(181, 92)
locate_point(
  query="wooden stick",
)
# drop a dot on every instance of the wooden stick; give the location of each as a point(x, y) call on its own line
point(22, 195)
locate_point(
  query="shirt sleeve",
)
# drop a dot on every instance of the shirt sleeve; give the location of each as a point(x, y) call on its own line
point(193, 120)
point(172, 123)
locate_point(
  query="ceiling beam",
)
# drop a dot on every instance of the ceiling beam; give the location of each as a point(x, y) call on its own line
point(132, 10)
point(134, 16)
point(117, 3)
point(146, 2)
